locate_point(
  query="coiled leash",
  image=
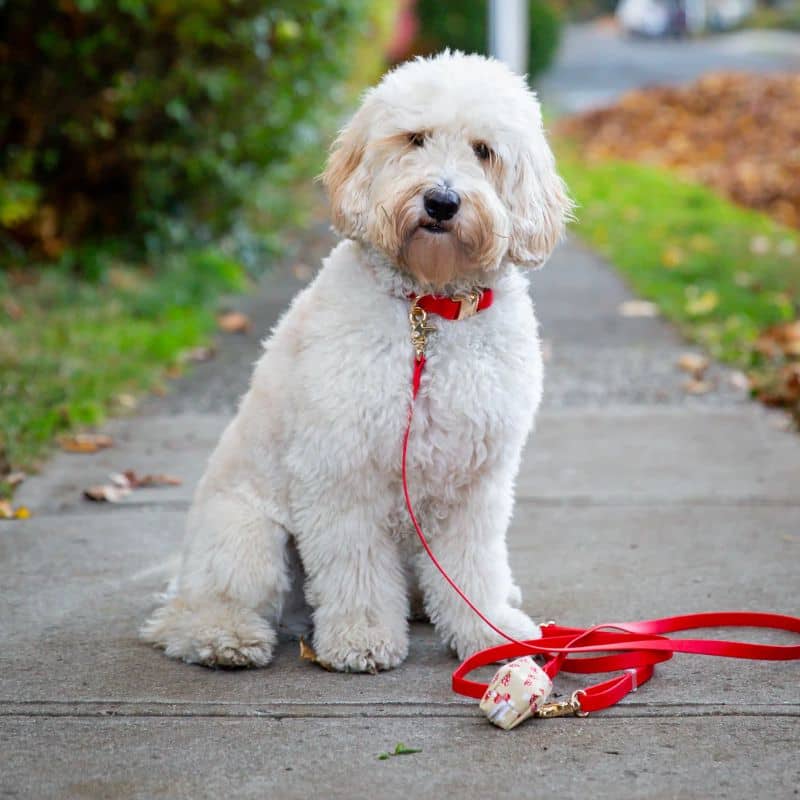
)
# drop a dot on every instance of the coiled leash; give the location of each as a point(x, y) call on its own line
point(521, 689)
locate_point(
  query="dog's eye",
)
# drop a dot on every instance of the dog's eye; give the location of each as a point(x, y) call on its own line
point(482, 150)
point(416, 139)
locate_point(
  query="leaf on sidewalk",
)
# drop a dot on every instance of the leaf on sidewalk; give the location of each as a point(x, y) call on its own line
point(694, 386)
point(307, 653)
point(198, 355)
point(130, 479)
point(123, 483)
point(7, 511)
point(234, 322)
point(106, 493)
point(693, 363)
point(85, 442)
point(125, 401)
point(399, 750)
point(14, 478)
point(638, 308)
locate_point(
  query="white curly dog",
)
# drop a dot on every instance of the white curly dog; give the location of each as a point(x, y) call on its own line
point(442, 183)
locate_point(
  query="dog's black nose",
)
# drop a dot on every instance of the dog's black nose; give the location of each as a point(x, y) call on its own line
point(441, 203)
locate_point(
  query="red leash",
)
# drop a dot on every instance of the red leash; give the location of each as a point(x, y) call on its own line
point(635, 647)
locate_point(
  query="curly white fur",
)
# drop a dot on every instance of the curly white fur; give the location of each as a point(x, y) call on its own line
point(313, 455)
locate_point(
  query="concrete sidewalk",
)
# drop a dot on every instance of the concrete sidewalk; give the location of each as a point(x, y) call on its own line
point(634, 500)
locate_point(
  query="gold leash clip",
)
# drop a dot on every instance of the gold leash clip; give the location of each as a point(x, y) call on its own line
point(564, 708)
point(418, 319)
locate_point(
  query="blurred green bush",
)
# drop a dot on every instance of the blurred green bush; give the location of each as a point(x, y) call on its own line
point(463, 26)
point(123, 117)
point(777, 15)
point(581, 10)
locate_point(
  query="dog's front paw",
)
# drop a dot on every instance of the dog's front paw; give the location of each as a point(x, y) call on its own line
point(510, 620)
point(213, 634)
point(355, 649)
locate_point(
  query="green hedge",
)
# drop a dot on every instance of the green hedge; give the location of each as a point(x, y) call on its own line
point(119, 115)
point(463, 26)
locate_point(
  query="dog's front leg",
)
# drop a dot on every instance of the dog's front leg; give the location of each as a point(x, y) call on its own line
point(357, 587)
point(471, 545)
point(234, 567)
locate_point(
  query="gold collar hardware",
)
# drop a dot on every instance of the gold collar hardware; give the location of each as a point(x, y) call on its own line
point(565, 708)
point(418, 319)
point(469, 304)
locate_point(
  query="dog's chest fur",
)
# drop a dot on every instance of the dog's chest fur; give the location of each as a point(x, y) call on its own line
point(344, 357)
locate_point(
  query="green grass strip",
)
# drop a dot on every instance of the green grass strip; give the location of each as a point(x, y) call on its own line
point(70, 348)
point(721, 272)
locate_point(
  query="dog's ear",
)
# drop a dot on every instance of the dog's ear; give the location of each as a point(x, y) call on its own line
point(539, 204)
point(346, 177)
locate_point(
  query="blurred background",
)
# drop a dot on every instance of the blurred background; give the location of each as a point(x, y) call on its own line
point(157, 155)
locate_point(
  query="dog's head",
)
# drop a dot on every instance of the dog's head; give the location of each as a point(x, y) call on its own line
point(445, 169)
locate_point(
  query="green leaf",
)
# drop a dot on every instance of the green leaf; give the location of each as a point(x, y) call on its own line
point(401, 750)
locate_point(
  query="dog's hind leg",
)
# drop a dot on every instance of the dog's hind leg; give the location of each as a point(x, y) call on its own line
point(234, 571)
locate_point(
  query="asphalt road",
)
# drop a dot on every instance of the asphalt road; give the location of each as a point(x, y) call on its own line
point(596, 63)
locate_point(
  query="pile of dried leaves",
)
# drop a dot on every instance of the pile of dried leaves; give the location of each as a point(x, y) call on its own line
point(778, 383)
point(735, 132)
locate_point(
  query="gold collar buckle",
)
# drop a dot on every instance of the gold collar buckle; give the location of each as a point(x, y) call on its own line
point(469, 304)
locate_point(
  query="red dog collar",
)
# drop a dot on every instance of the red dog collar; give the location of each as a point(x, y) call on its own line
point(458, 307)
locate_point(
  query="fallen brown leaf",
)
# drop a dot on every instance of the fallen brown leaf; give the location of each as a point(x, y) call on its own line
point(7, 511)
point(783, 339)
point(234, 322)
point(85, 442)
point(199, 354)
point(126, 401)
point(694, 386)
point(15, 478)
point(782, 389)
point(129, 479)
point(638, 308)
point(106, 493)
point(307, 653)
point(693, 363)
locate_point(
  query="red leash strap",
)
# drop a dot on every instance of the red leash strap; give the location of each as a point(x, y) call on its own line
point(635, 647)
